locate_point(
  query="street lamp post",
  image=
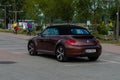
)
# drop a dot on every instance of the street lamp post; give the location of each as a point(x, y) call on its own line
point(5, 9)
point(16, 13)
point(117, 23)
point(5, 25)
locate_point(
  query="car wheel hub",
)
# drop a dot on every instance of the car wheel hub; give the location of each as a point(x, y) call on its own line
point(60, 53)
point(31, 48)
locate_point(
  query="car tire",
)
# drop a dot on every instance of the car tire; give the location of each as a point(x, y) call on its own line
point(60, 54)
point(93, 58)
point(31, 49)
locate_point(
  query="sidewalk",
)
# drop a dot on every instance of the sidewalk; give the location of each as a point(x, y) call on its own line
point(20, 36)
point(112, 48)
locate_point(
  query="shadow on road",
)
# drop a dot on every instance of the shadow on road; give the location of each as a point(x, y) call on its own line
point(7, 62)
point(70, 60)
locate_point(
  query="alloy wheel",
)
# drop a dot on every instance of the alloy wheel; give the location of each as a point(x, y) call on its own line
point(31, 49)
point(60, 54)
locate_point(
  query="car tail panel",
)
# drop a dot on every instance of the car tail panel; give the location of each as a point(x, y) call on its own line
point(85, 40)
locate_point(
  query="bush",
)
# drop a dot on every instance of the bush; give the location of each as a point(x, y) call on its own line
point(22, 31)
point(39, 28)
point(96, 34)
point(102, 30)
point(1, 26)
point(25, 32)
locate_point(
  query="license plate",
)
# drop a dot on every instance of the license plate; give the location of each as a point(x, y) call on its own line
point(90, 50)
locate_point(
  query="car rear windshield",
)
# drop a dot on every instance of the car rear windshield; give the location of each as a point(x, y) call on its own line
point(74, 31)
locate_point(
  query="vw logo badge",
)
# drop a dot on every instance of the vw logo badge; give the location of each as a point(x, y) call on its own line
point(88, 41)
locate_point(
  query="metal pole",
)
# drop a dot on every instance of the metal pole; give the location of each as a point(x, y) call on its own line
point(16, 13)
point(15, 16)
point(117, 24)
point(5, 25)
point(5, 22)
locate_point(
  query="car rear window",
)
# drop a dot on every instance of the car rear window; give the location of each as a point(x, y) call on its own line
point(73, 31)
point(78, 31)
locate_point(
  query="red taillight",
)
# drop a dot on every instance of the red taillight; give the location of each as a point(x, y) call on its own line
point(71, 42)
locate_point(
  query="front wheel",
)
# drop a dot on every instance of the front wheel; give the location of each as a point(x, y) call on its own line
point(31, 49)
point(60, 54)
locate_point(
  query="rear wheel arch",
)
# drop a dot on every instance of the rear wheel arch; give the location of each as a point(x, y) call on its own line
point(59, 43)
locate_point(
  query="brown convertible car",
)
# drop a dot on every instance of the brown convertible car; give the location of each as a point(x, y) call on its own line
point(65, 41)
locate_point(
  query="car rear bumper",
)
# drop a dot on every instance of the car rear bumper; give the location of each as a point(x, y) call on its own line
point(72, 51)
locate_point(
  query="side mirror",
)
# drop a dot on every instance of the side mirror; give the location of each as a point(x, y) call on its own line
point(38, 34)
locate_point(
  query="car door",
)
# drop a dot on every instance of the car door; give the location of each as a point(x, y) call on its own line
point(53, 38)
point(47, 40)
point(43, 39)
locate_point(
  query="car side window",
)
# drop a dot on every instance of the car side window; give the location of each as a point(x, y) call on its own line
point(51, 31)
point(45, 32)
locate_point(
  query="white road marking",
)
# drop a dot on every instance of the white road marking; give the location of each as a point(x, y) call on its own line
point(110, 61)
point(104, 62)
point(70, 65)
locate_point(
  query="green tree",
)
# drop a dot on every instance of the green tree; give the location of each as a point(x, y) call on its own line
point(29, 9)
point(66, 10)
point(53, 9)
point(82, 9)
point(14, 5)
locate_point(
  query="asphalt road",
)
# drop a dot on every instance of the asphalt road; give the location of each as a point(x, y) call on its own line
point(16, 64)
